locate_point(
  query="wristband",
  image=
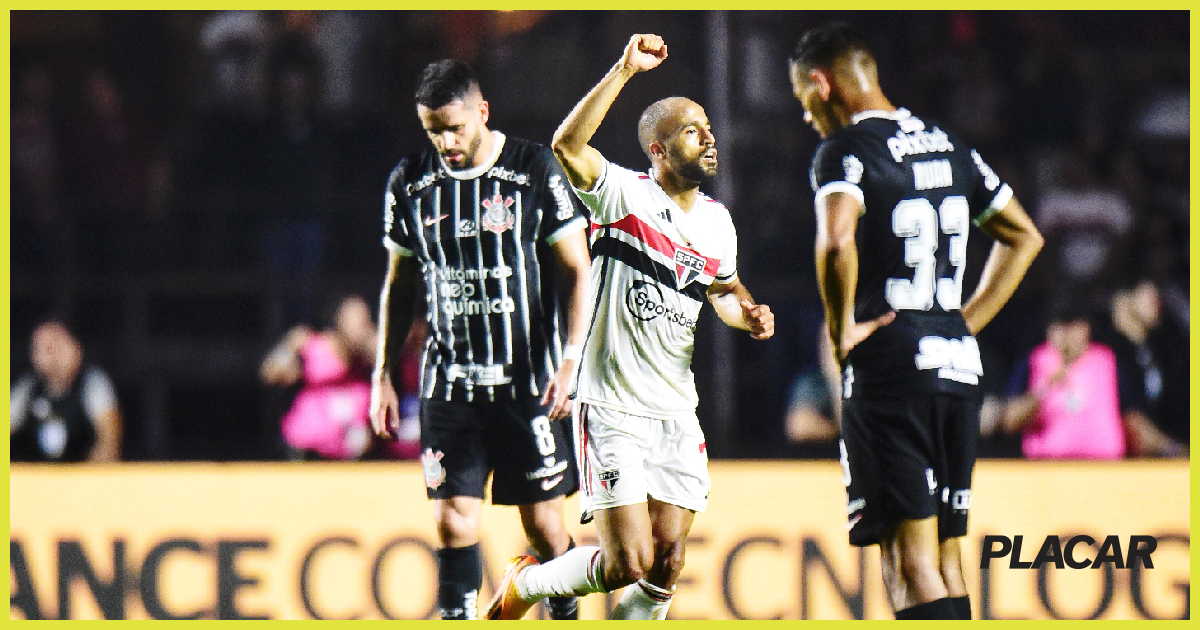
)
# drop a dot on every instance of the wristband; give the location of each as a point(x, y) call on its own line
point(572, 352)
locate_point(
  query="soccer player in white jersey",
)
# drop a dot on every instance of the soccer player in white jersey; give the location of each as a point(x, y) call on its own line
point(660, 248)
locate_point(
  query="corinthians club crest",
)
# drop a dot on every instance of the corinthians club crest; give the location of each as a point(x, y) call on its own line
point(497, 216)
point(431, 465)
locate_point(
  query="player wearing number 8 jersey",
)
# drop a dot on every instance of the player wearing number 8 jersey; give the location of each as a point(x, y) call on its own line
point(907, 191)
point(487, 224)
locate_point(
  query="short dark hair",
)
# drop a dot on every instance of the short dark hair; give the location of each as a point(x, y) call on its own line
point(445, 81)
point(819, 47)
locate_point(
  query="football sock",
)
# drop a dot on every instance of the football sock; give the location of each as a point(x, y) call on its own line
point(963, 606)
point(576, 572)
point(937, 609)
point(643, 601)
point(563, 607)
point(460, 574)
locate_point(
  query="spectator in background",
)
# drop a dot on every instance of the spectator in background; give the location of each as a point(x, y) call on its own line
point(41, 237)
point(814, 413)
point(328, 419)
point(1071, 409)
point(65, 410)
point(1086, 224)
point(295, 178)
point(115, 179)
point(1152, 372)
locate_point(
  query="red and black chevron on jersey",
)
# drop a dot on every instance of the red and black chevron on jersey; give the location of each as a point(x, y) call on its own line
point(652, 266)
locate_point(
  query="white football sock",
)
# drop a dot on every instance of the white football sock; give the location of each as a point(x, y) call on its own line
point(576, 572)
point(643, 601)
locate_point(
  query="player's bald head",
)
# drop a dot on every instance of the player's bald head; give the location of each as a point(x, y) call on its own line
point(660, 120)
point(838, 49)
point(445, 81)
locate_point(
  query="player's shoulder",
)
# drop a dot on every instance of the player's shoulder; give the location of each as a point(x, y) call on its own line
point(525, 154)
point(718, 210)
point(848, 139)
point(715, 205)
point(413, 166)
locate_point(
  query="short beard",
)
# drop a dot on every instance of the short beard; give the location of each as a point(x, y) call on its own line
point(693, 172)
point(468, 160)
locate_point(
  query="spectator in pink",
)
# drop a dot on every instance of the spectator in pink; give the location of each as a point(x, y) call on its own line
point(1071, 409)
point(328, 419)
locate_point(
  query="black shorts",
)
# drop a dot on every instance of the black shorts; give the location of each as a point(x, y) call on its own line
point(908, 459)
point(531, 457)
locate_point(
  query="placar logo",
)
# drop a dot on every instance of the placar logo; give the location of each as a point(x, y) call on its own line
point(688, 267)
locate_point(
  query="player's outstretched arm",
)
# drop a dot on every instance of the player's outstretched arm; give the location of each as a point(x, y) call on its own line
point(581, 161)
point(402, 273)
point(736, 307)
point(574, 264)
point(1017, 244)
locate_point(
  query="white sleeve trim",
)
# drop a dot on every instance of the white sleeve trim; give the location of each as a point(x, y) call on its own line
point(19, 401)
point(728, 279)
point(99, 395)
point(575, 223)
point(998, 202)
point(596, 185)
point(842, 187)
point(399, 249)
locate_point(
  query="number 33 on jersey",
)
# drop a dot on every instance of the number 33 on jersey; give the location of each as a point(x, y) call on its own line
point(918, 188)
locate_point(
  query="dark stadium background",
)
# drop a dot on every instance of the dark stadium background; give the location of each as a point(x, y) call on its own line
point(150, 241)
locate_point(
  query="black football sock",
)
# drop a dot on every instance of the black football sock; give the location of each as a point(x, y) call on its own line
point(563, 608)
point(963, 606)
point(460, 574)
point(937, 609)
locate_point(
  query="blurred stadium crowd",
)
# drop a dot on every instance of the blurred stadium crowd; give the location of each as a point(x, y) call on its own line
point(187, 187)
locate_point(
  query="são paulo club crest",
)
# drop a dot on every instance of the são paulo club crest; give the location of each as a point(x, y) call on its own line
point(608, 479)
point(497, 214)
point(431, 464)
point(688, 267)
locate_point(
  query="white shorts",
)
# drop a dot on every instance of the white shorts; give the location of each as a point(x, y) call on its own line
point(623, 459)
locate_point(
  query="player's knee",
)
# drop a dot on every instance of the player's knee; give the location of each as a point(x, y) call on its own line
point(544, 529)
point(919, 569)
point(668, 561)
point(457, 529)
point(627, 566)
point(951, 572)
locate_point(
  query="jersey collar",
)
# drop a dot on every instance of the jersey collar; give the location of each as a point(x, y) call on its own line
point(899, 114)
point(476, 171)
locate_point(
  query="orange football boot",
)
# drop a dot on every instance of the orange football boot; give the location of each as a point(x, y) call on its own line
point(506, 603)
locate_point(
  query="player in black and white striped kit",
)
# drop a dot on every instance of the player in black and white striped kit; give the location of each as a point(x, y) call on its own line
point(489, 225)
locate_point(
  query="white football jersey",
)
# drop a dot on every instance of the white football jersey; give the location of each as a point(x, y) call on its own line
point(652, 264)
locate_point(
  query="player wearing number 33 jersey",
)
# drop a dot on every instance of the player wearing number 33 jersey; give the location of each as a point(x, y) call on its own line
point(919, 188)
point(896, 197)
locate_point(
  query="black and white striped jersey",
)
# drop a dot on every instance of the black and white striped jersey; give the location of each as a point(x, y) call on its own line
point(483, 239)
point(919, 189)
